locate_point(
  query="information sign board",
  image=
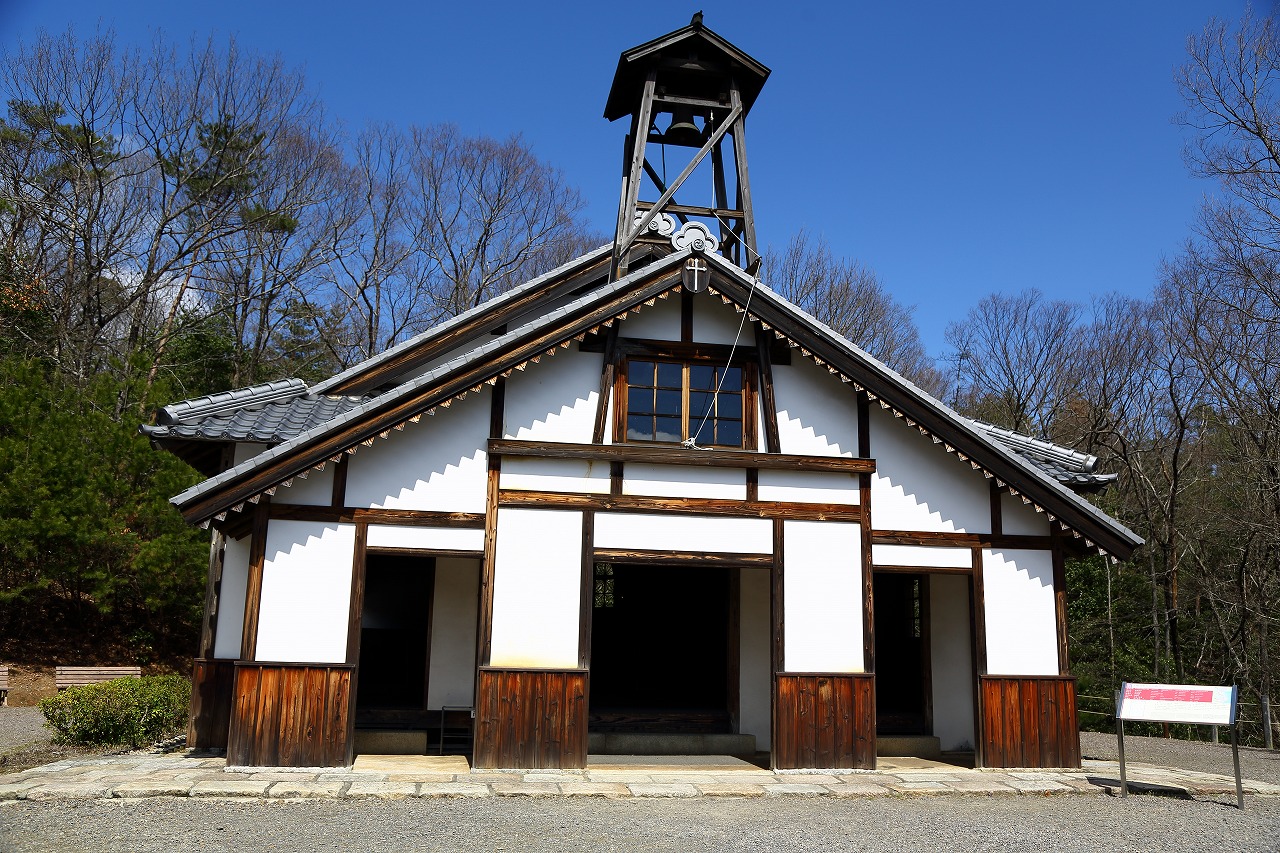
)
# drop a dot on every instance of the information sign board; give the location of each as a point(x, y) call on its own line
point(1177, 703)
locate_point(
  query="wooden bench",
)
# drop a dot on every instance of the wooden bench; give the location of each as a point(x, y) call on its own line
point(77, 676)
point(4, 686)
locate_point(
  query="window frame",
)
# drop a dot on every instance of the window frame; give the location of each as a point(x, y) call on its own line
point(744, 358)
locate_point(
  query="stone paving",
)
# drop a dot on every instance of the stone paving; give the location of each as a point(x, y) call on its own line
point(195, 774)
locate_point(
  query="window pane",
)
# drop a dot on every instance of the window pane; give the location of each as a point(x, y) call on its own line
point(730, 406)
point(640, 400)
point(640, 373)
point(668, 403)
point(668, 429)
point(732, 379)
point(639, 428)
point(702, 376)
point(670, 375)
point(699, 405)
point(729, 432)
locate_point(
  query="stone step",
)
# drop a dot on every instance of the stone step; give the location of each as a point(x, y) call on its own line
point(917, 746)
point(628, 743)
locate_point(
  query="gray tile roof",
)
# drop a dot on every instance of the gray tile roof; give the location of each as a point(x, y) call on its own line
point(1069, 467)
point(271, 423)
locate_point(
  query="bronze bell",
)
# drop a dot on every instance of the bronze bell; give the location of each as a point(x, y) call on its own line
point(682, 130)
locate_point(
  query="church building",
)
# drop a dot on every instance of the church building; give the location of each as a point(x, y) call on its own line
point(639, 504)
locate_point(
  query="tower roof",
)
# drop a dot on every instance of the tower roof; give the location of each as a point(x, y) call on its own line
point(695, 54)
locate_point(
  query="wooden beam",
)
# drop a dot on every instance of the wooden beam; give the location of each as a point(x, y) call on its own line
point(738, 118)
point(960, 540)
point(686, 506)
point(355, 613)
point(586, 589)
point(627, 231)
point(339, 494)
point(607, 369)
point(923, 570)
point(730, 213)
point(253, 586)
point(662, 454)
point(680, 558)
point(864, 501)
point(484, 634)
point(768, 401)
point(213, 587)
point(1060, 608)
point(997, 511)
point(398, 517)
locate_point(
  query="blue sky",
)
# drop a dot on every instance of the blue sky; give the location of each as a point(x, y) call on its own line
point(955, 148)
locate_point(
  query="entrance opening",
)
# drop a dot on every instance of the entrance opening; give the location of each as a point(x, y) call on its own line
point(395, 634)
point(903, 694)
point(660, 649)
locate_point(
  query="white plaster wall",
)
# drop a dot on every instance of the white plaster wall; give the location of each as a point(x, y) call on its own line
point(684, 481)
point(691, 533)
point(659, 322)
point(717, 323)
point(1019, 519)
point(436, 464)
point(1022, 636)
point(919, 486)
point(822, 597)
point(921, 555)
point(554, 400)
point(950, 651)
point(755, 674)
point(428, 538)
point(554, 475)
point(817, 413)
point(808, 486)
point(454, 610)
point(315, 490)
point(247, 450)
point(608, 418)
point(235, 579)
point(306, 592)
point(537, 588)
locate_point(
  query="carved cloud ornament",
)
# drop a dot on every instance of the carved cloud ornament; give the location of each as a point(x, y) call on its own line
point(696, 236)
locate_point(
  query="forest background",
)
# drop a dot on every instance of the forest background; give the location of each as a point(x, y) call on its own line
point(184, 218)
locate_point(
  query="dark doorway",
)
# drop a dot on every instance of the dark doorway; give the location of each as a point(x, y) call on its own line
point(660, 649)
point(395, 635)
point(902, 654)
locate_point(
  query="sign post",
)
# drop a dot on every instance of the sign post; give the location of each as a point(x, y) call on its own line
point(1178, 703)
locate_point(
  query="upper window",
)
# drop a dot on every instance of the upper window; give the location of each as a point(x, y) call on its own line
point(672, 400)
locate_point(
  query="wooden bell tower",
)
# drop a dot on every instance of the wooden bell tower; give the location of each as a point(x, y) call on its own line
point(687, 93)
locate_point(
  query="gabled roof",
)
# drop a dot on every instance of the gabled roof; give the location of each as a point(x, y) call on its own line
point(465, 373)
point(1024, 466)
point(674, 47)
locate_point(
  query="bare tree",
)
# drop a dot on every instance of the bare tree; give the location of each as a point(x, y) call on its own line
point(1017, 359)
point(851, 299)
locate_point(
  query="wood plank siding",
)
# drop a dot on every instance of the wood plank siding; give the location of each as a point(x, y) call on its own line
point(532, 719)
point(211, 685)
point(825, 720)
point(1029, 721)
point(291, 715)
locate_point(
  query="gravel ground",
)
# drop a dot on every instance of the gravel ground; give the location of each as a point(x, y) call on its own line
point(1257, 764)
point(1059, 823)
point(20, 727)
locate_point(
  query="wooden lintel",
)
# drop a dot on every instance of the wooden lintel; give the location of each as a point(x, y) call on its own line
point(680, 558)
point(924, 570)
point(659, 454)
point(960, 540)
point(684, 506)
point(399, 517)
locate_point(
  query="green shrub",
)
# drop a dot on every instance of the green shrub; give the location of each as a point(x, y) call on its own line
point(130, 711)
